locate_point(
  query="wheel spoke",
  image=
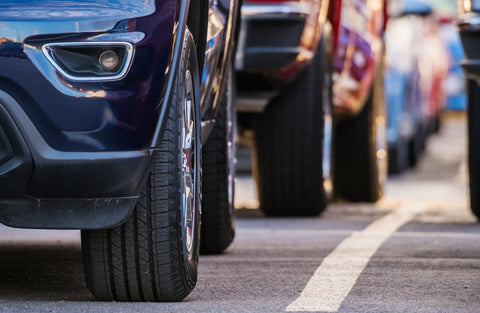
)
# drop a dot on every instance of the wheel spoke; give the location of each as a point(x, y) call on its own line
point(188, 164)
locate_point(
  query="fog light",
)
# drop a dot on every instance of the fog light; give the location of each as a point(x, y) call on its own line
point(108, 59)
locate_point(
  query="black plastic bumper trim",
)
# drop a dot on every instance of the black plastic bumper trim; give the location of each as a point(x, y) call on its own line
point(6, 150)
point(472, 69)
point(271, 43)
point(470, 37)
point(65, 174)
point(66, 213)
point(16, 167)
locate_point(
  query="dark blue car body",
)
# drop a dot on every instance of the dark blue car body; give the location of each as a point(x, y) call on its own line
point(74, 153)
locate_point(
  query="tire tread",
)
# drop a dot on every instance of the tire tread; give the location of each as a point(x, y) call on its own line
point(289, 144)
point(141, 260)
point(217, 230)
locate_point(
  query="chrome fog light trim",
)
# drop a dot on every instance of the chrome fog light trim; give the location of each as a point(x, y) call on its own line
point(124, 63)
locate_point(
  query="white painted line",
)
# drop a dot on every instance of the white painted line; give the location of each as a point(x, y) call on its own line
point(337, 274)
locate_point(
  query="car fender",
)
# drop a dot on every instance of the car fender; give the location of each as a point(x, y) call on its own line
point(176, 57)
point(358, 27)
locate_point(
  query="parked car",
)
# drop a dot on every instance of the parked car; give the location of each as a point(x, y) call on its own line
point(402, 96)
point(309, 83)
point(433, 63)
point(454, 84)
point(416, 66)
point(470, 35)
point(104, 107)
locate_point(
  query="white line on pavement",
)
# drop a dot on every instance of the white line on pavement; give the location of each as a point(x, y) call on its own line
point(337, 274)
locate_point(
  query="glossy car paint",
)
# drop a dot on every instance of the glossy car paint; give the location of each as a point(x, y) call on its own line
point(358, 50)
point(88, 116)
point(220, 46)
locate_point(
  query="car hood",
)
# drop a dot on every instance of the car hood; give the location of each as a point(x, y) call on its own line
point(48, 10)
point(21, 19)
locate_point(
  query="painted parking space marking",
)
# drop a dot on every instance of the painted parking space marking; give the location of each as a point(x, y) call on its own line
point(337, 274)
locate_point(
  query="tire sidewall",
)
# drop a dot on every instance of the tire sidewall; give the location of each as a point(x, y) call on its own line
point(231, 140)
point(189, 63)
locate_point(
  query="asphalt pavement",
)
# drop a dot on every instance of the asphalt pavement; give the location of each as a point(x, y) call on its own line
point(416, 250)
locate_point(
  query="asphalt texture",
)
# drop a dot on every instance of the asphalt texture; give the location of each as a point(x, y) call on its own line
point(431, 263)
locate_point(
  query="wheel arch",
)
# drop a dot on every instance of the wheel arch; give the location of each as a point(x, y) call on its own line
point(186, 8)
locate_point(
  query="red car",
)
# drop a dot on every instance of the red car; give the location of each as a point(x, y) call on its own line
point(310, 87)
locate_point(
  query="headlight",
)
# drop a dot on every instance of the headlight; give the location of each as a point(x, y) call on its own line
point(90, 61)
point(466, 6)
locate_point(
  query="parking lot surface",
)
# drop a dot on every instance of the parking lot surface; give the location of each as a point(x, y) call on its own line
point(417, 250)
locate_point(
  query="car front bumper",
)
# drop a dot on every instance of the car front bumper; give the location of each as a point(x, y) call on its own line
point(41, 187)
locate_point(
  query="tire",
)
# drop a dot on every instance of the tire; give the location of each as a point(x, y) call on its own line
point(218, 154)
point(398, 156)
point(293, 153)
point(416, 145)
point(361, 150)
point(473, 112)
point(437, 123)
point(153, 256)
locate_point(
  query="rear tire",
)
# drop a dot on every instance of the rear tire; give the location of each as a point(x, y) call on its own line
point(361, 150)
point(218, 153)
point(474, 146)
point(293, 150)
point(153, 256)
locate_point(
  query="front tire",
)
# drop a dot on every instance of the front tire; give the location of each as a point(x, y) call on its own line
point(293, 152)
point(153, 256)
